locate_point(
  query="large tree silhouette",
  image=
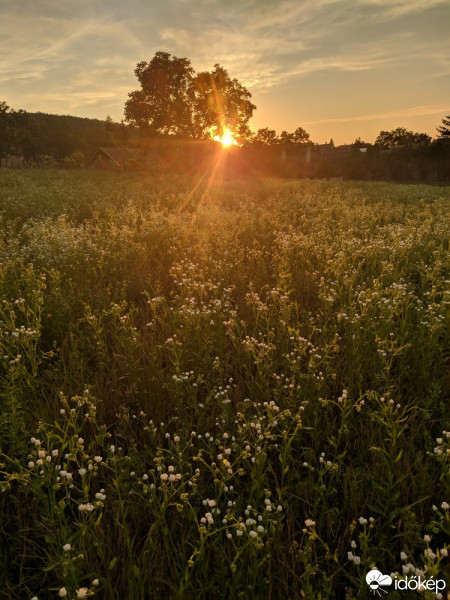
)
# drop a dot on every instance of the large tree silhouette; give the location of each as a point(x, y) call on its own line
point(173, 99)
point(401, 137)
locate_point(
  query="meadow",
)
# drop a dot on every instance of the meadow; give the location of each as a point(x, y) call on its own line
point(228, 390)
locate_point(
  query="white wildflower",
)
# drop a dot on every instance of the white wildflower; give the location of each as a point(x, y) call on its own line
point(86, 507)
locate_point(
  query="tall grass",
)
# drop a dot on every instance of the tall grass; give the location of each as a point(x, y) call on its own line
point(233, 391)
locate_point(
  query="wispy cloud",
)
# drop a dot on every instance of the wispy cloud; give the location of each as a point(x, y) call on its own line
point(413, 111)
point(388, 9)
point(276, 75)
point(56, 48)
point(266, 46)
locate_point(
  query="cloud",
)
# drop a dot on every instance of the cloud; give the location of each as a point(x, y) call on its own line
point(413, 111)
point(277, 75)
point(267, 44)
point(56, 48)
point(80, 54)
point(399, 8)
point(293, 12)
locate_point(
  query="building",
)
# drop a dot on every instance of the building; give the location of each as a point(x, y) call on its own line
point(118, 158)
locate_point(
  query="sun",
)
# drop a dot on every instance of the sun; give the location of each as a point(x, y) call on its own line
point(227, 138)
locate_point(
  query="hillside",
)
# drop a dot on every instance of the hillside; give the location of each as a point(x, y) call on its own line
point(34, 135)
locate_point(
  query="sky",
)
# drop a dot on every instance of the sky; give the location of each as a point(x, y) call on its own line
point(340, 69)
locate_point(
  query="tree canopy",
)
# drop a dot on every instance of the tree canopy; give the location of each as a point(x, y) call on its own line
point(14, 137)
point(269, 137)
point(401, 137)
point(265, 137)
point(444, 129)
point(174, 99)
point(298, 136)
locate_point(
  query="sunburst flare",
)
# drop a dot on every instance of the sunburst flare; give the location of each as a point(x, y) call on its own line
point(226, 139)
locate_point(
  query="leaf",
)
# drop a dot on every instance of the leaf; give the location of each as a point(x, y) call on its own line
point(400, 479)
point(393, 514)
point(52, 566)
point(112, 563)
point(50, 539)
point(136, 571)
point(376, 509)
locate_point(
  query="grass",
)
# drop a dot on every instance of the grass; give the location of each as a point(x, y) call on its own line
point(229, 391)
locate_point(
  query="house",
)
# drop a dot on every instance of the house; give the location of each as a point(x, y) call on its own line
point(332, 151)
point(117, 158)
point(344, 148)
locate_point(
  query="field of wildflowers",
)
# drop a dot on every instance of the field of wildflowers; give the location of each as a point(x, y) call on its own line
point(228, 391)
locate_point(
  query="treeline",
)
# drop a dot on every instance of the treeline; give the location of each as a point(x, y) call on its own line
point(44, 138)
point(39, 139)
point(426, 164)
point(397, 155)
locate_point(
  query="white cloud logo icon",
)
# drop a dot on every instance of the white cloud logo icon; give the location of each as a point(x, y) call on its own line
point(376, 581)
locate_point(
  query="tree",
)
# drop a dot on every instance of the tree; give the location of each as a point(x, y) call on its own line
point(165, 101)
point(4, 129)
point(358, 143)
point(266, 137)
point(286, 138)
point(222, 102)
point(401, 137)
point(444, 129)
point(173, 99)
point(109, 123)
point(299, 136)
point(13, 130)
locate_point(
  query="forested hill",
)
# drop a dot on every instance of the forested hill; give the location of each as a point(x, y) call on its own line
point(60, 135)
point(33, 135)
